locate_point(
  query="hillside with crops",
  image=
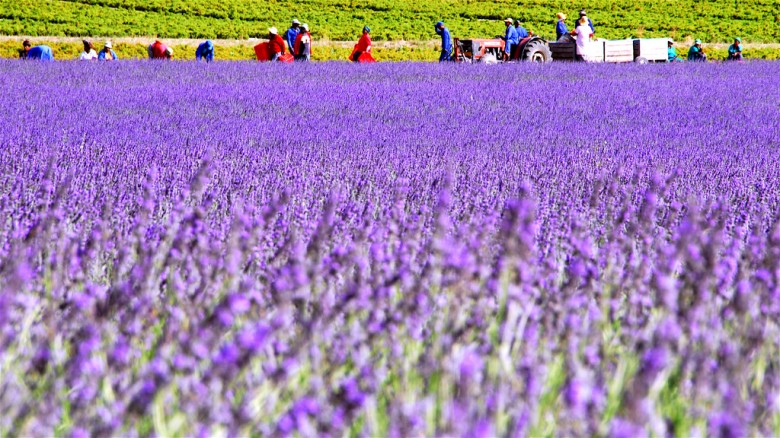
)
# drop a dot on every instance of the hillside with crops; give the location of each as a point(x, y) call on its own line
point(391, 20)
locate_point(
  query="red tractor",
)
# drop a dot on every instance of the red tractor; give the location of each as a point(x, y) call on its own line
point(532, 48)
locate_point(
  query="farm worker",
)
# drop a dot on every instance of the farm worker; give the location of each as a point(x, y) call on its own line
point(275, 45)
point(363, 45)
point(303, 44)
point(158, 50)
point(673, 52)
point(696, 53)
point(43, 53)
point(107, 54)
point(561, 29)
point(583, 35)
point(584, 14)
point(521, 32)
point(446, 41)
point(205, 51)
point(510, 40)
point(291, 34)
point(89, 53)
point(735, 50)
point(26, 46)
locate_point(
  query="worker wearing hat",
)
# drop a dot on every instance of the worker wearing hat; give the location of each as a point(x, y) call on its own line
point(291, 34)
point(205, 51)
point(275, 44)
point(446, 41)
point(303, 44)
point(735, 50)
point(89, 53)
point(510, 40)
point(158, 50)
point(363, 45)
point(107, 54)
point(560, 29)
point(696, 53)
point(584, 15)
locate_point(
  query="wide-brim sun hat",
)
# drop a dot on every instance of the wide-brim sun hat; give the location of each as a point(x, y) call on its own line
point(273, 30)
point(697, 42)
point(561, 16)
point(305, 26)
point(296, 21)
point(739, 40)
point(108, 45)
point(508, 20)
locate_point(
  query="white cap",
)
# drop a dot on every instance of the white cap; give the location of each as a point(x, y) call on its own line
point(107, 45)
point(169, 51)
point(272, 31)
point(296, 21)
point(305, 26)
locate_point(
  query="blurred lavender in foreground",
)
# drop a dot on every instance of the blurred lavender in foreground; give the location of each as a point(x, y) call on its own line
point(392, 250)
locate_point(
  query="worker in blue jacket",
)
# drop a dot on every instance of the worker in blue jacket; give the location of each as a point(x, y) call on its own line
point(43, 53)
point(446, 42)
point(510, 40)
point(205, 51)
point(292, 34)
point(522, 33)
point(560, 29)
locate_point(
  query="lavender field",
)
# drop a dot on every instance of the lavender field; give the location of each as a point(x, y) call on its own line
point(389, 250)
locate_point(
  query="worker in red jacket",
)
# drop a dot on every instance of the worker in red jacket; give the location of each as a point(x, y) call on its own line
point(276, 45)
point(302, 47)
point(158, 50)
point(363, 45)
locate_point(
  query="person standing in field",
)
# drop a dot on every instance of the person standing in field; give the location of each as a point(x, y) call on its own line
point(735, 50)
point(583, 34)
point(108, 53)
point(292, 34)
point(89, 53)
point(446, 41)
point(205, 51)
point(584, 15)
point(510, 40)
point(696, 53)
point(158, 50)
point(303, 44)
point(561, 30)
point(672, 52)
point(522, 33)
point(275, 45)
point(363, 45)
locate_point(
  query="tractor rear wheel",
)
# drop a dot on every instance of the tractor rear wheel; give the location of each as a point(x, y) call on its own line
point(537, 51)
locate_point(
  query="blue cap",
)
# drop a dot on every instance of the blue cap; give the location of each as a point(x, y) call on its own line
point(440, 24)
point(210, 44)
point(367, 29)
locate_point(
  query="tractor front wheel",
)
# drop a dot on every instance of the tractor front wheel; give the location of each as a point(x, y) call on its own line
point(537, 51)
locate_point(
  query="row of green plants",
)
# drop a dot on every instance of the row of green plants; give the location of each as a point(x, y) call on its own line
point(326, 52)
point(391, 20)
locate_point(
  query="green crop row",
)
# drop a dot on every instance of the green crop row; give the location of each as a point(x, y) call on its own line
point(65, 51)
point(393, 20)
